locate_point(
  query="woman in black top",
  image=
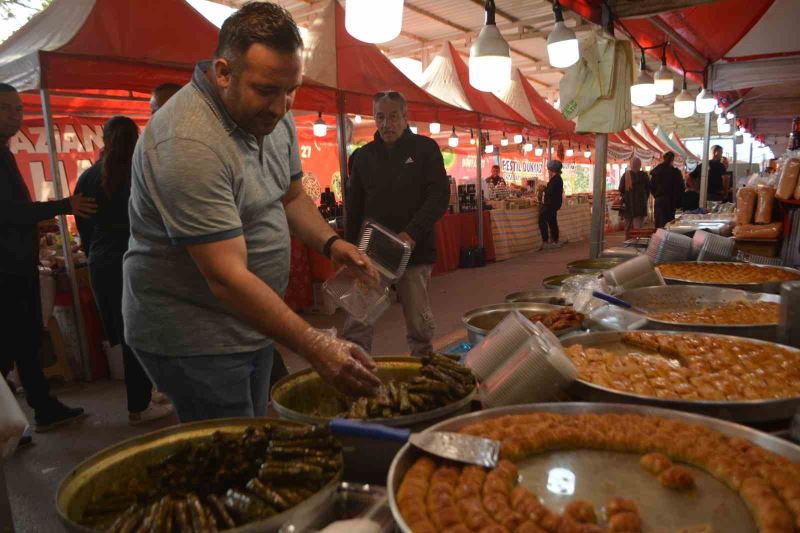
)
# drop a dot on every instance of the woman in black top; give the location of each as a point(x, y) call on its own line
point(104, 237)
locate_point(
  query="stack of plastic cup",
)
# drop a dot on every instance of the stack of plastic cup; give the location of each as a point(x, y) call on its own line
point(632, 274)
point(536, 372)
point(710, 247)
point(505, 339)
point(668, 246)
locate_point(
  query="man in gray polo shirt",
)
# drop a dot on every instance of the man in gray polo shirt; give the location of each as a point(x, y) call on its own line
point(215, 193)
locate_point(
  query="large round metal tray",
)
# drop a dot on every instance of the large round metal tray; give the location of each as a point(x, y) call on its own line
point(476, 334)
point(538, 296)
point(745, 411)
point(555, 282)
point(305, 397)
point(587, 266)
point(687, 297)
point(772, 287)
point(104, 469)
point(600, 475)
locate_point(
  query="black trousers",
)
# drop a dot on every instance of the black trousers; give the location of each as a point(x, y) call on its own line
point(663, 212)
point(21, 331)
point(548, 220)
point(106, 281)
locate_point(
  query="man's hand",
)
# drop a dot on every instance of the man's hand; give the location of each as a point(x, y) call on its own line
point(340, 363)
point(344, 253)
point(82, 206)
point(407, 239)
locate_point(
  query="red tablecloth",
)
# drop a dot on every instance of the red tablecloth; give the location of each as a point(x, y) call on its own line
point(457, 232)
point(299, 292)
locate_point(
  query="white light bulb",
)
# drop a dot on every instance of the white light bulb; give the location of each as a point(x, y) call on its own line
point(357, 119)
point(723, 127)
point(562, 46)
point(587, 154)
point(664, 81)
point(527, 147)
point(435, 127)
point(739, 132)
point(706, 101)
point(643, 91)
point(718, 110)
point(518, 138)
point(413, 129)
point(489, 60)
point(721, 120)
point(360, 18)
point(729, 115)
point(504, 141)
point(684, 104)
point(452, 141)
point(489, 148)
point(538, 151)
point(570, 152)
point(472, 140)
point(320, 128)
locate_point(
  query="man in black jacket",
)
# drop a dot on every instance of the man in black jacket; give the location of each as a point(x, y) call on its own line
point(548, 211)
point(399, 180)
point(21, 329)
point(715, 171)
point(666, 184)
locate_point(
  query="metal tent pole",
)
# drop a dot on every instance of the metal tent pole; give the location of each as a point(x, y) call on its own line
point(479, 187)
point(83, 344)
point(599, 195)
point(750, 164)
point(735, 162)
point(341, 137)
point(704, 161)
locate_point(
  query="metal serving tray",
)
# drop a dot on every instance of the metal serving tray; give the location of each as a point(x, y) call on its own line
point(104, 469)
point(597, 476)
point(772, 287)
point(304, 397)
point(476, 334)
point(538, 296)
point(687, 297)
point(745, 411)
point(589, 266)
point(555, 282)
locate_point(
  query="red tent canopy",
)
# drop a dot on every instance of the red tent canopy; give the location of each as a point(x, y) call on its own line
point(648, 134)
point(357, 70)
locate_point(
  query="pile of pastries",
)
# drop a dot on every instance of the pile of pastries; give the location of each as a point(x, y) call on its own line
point(691, 367)
point(444, 496)
point(729, 313)
point(725, 273)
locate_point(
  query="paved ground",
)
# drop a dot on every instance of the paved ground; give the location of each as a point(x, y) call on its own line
point(32, 475)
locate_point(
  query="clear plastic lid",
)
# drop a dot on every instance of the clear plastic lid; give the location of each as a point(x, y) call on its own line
point(388, 252)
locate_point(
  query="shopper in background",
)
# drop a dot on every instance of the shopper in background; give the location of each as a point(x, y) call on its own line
point(666, 184)
point(216, 191)
point(495, 178)
point(715, 171)
point(551, 203)
point(21, 327)
point(399, 181)
point(635, 189)
point(690, 200)
point(104, 237)
point(161, 94)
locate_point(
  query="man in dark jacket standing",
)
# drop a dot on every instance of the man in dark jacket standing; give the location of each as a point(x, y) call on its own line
point(548, 211)
point(399, 180)
point(666, 184)
point(21, 329)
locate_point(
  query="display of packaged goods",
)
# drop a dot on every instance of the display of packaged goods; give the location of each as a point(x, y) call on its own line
point(750, 232)
point(766, 201)
point(745, 205)
point(788, 180)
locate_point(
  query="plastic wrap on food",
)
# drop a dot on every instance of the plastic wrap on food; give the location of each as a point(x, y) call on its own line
point(746, 205)
point(787, 183)
point(578, 290)
point(766, 201)
point(758, 232)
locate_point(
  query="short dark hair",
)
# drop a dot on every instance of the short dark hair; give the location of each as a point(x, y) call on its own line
point(716, 148)
point(258, 22)
point(669, 157)
point(496, 167)
point(6, 88)
point(174, 87)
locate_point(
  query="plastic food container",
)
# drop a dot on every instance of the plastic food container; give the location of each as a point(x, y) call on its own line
point(349, 501)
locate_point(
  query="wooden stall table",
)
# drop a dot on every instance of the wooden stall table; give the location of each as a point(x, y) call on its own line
point(516, 231)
